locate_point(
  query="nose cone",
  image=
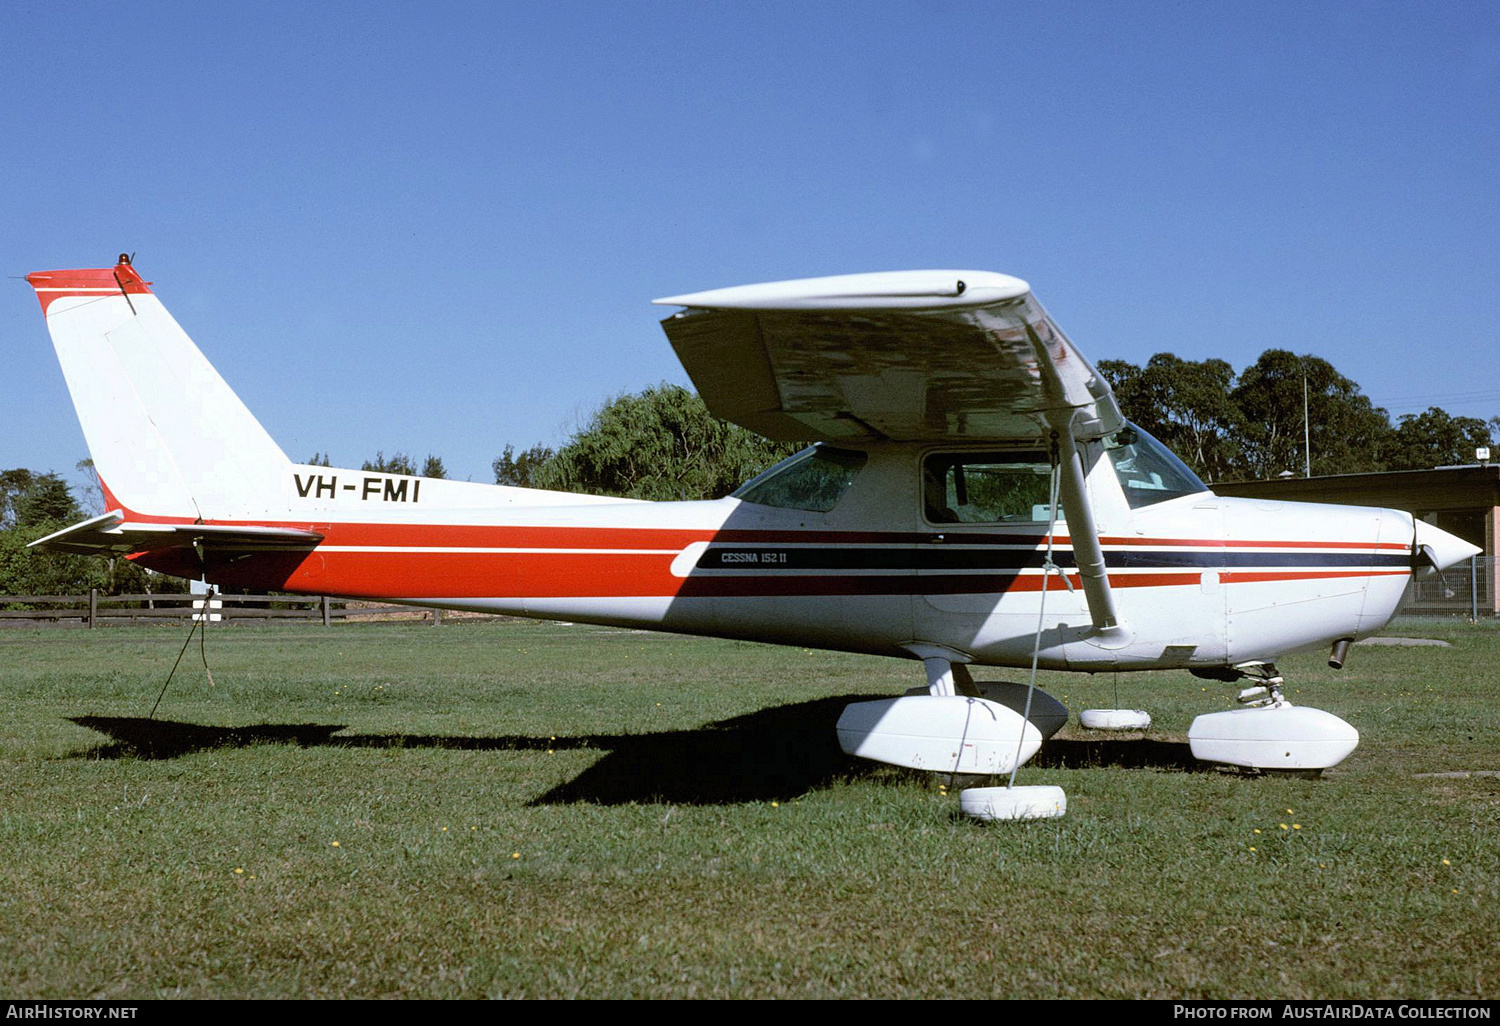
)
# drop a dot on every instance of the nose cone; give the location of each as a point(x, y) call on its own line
point(1439, 549)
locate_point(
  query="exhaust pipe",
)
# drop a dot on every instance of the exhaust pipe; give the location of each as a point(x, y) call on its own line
point(1340, 651)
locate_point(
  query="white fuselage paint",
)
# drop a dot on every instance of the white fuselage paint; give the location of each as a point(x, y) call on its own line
point(1199, 581)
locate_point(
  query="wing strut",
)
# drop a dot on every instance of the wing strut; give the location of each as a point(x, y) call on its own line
point(1088, 554)
point(1078, 510)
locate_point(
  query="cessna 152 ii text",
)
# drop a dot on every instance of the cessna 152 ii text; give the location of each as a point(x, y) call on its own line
point(974, 497)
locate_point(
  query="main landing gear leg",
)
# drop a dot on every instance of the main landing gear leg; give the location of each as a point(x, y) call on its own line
point(1269, 733)
point(945, 677)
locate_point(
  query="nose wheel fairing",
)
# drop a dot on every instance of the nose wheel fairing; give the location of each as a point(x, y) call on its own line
point(1270, 733)
point(1274, 738)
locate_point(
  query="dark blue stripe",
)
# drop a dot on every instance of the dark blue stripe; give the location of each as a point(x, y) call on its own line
point(943, 557)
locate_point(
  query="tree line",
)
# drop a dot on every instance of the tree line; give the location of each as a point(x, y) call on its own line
point(662, 443)
point(1230, 426)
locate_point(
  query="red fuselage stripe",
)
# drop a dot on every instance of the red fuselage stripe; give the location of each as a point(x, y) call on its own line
point(647, 575)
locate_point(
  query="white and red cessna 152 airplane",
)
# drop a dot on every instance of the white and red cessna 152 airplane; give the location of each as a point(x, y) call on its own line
point(966, 455)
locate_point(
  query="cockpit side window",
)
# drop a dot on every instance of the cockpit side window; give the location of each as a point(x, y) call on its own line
point(986, 487)
point(1147, 470)
point(814, 479)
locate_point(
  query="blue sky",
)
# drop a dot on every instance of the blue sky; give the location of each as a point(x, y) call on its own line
point(437, 227)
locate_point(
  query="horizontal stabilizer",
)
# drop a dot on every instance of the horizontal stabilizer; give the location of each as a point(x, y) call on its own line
point(112, 534)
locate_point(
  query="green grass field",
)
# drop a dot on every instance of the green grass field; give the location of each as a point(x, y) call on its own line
point(538, 810)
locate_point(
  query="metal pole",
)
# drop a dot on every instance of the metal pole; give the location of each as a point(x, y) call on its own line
point(1474, 588)
point(1306, 431)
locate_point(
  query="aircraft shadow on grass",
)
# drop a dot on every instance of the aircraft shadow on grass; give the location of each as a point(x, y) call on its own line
point(770, 754)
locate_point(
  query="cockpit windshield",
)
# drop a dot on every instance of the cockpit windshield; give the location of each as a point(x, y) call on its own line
point(1147, 470)
point(814, 479)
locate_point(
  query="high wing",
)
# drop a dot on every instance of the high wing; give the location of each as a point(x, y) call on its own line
point(906, 356)
point(111, 534)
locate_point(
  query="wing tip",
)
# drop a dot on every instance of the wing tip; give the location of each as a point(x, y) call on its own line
point(931, 289)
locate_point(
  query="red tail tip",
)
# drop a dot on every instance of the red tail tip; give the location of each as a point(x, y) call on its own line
point(94, 281)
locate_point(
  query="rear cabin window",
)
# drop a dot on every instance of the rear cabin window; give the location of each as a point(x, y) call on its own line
point(814, 479)
point(987, 487)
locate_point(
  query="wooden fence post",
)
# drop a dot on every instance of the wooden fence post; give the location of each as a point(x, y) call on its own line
point(326, 617)
point(437, 617)
point(93, 606)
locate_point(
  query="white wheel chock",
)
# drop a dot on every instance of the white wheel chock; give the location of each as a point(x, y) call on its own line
point(1115, 719)
point(1038, 801)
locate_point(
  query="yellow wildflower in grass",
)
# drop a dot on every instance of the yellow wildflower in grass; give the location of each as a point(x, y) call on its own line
point(335, 844)
point(775, 805)
point(1447, 863)
point(1283, 826)
point(1252, 847)
point(1257, 830)
point(515, 854)
point(1296, 826)
point(445, 830)
point(238, 871)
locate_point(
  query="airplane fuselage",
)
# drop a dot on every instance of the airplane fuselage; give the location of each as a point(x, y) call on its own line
point(951, 544)
point(1200, 580)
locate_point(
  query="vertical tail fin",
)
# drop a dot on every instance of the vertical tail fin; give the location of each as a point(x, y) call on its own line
point(168, 436)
